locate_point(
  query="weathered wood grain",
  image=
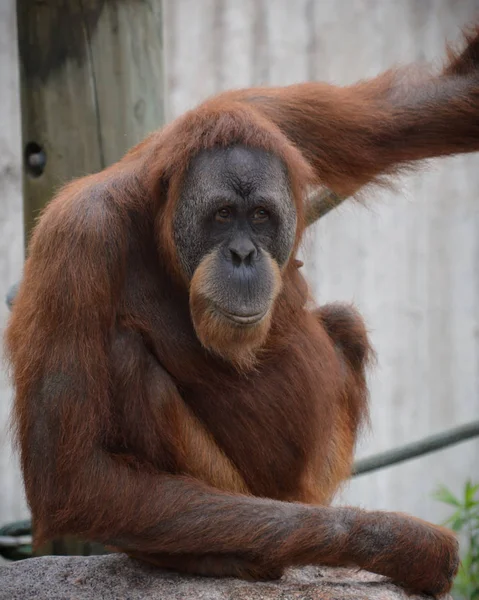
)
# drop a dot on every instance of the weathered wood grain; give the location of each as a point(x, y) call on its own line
point(91, 74)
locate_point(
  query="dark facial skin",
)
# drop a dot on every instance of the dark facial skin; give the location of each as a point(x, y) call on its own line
point(236, 209)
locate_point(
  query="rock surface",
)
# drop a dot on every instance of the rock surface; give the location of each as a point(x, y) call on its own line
point(117, 577)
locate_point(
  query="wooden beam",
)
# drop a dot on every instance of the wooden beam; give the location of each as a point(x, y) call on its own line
point(91, 74)
point(319, 202)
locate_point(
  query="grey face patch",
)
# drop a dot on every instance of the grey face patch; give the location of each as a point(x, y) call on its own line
point(243, 178)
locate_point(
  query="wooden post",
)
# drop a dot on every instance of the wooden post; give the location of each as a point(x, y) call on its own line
point(91, 75)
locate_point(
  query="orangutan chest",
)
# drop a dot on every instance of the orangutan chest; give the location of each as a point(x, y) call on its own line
point(269, 433)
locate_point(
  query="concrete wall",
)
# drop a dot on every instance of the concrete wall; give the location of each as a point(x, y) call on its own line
point(12, 503)
point(410, 260)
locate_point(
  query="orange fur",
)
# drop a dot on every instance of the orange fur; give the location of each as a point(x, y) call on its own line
point(202, 457)
point(131, 432)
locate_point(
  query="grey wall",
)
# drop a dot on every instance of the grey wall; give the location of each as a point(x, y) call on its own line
point(409, 260)
point(12, 504)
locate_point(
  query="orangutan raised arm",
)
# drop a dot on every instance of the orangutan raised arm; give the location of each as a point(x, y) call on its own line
point(358, 134)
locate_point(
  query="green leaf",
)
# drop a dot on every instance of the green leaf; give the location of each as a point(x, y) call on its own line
point(469, 495)
point(456, 521)
point(465, 519)
point(446, 496)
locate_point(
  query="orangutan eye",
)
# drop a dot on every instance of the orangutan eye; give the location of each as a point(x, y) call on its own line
point(223, 214)
point(260, 215)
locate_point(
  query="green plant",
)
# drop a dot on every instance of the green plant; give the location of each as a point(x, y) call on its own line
point(465, 521)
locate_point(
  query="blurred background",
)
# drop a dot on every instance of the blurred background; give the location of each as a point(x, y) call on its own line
point(409, 260)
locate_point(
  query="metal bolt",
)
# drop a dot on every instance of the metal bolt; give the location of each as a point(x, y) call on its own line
point(35, 159)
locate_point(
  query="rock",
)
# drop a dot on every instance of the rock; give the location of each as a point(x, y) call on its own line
point(117, 577)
